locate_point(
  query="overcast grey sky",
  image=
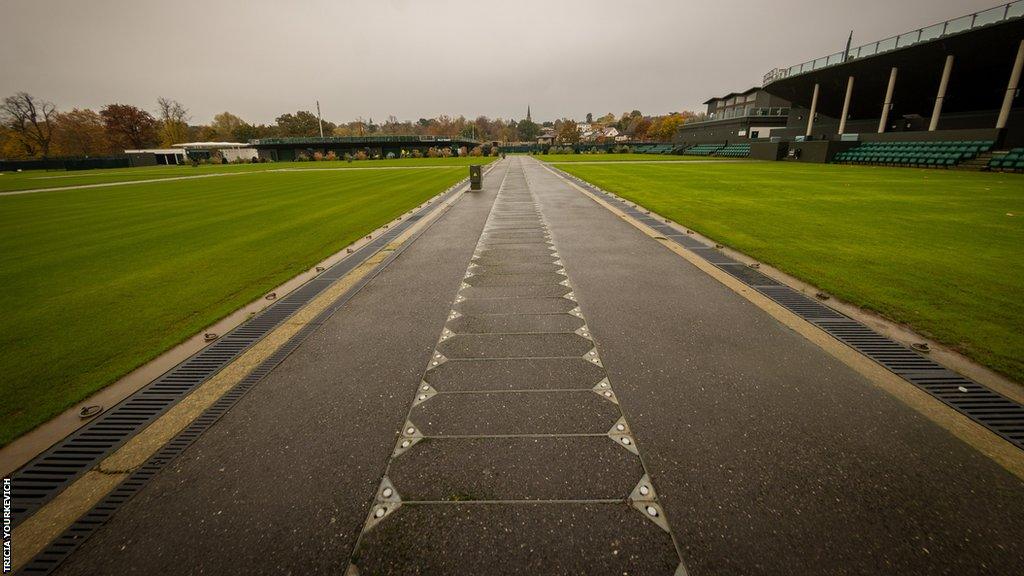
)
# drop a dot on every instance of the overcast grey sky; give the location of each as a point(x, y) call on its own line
point(415, 59)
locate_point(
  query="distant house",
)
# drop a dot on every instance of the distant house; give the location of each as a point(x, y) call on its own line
point(547, 137)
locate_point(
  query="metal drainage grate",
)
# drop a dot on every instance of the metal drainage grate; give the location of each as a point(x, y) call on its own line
point(996, 412)
point(48, 474)
point(748, 275)
point(802, 306)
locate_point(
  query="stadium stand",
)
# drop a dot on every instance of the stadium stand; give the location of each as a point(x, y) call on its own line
point(652, 148)
point(945, 94)
point(1012, 160)
point(735, 151)
point(922, 154)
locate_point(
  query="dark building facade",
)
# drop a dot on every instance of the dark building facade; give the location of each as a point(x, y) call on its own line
point(287, 149)
point(736, 117)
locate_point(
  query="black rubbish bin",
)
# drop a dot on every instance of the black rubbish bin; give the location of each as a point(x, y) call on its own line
point(476, 177)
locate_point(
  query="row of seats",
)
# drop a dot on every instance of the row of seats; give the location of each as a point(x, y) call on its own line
point(1012, 160)
point(703, 149)
point(735, 151)
point(946, 154)
point(652, 148)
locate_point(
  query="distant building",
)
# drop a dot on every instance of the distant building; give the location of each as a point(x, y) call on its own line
point(736, 117)
point(186, 151)
point(156, 156)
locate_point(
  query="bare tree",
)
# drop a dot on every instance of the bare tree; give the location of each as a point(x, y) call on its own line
point(30, 120)
point(172, 110)
point(173, 121)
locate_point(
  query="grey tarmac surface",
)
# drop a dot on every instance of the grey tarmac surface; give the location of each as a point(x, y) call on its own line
point(524, 449)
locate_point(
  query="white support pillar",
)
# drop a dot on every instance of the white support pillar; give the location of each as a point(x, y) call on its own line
point(888, 101)
point(937, 111)
point(1011, 88)
point(846, 105)
point(814, 110)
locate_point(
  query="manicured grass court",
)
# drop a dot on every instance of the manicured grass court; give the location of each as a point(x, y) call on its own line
point(36, 179)
point(560, 158)
point(942, 251)
point(98, 281)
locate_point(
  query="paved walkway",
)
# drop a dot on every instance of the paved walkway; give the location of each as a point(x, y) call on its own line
point(535, 387)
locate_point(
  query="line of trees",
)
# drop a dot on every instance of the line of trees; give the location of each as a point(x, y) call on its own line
point(31, 127)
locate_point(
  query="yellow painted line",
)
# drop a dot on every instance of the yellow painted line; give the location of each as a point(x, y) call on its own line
point(974, 434)
point(37, 531)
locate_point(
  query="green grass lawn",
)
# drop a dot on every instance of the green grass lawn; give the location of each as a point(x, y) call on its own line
point(559, 158)
point(941, 251)
point(98, 281)
point(36, 179)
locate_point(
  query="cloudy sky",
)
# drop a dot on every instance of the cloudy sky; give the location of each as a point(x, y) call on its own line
point(415, 59)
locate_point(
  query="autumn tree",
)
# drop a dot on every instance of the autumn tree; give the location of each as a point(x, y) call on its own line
point(10, 147)
point(302, 123)
point(29, 122)
point(663, 128)
point(245, 132)
point(568, 131)
point(225, 125)
point(637, 127)
point(129, 127)
point(80, 133)
point(528, 130)
point(173, 121)
point(510, 133)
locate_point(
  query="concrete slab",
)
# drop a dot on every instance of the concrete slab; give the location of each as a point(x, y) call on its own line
point(514, 306)
point(513, 324)
point(521, 291)
point(516, 468)
point(530, 539)
point(504, 374)
point(514, 346)
point(578, 412)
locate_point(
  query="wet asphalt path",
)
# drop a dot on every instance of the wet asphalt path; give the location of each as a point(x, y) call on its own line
point(535, 387)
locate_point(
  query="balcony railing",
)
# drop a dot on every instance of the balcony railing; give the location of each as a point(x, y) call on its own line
point(743, 113)
point(954, 26)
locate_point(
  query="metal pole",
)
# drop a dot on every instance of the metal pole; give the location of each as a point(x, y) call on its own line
point(888, 101)
point(846, 105)
point(814, 110)
point(937, 111)
point(1011, 88)
point(318, 120)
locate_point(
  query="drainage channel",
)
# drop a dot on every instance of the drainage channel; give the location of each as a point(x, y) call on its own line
point(515, 451)
point(48, 474)
point(999, 414)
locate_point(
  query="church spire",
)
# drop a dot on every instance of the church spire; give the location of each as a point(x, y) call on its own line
point(528, 119)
